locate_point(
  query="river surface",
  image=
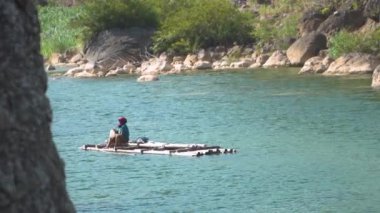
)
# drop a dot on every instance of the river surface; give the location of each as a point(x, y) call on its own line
point(305, 143)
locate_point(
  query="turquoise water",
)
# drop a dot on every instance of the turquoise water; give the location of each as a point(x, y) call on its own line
point(306, 143)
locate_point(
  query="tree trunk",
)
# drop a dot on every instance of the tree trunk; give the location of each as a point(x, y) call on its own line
point(32, 177)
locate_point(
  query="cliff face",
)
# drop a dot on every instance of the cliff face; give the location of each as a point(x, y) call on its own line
point(32, 177)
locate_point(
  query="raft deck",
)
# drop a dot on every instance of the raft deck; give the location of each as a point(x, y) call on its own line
point(159, 148)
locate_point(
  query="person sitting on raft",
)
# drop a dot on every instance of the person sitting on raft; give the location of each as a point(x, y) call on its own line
point(120, 136)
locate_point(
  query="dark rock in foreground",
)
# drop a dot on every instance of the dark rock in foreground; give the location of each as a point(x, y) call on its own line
point(32, 177)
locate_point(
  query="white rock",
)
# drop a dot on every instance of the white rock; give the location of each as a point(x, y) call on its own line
point(225, 64)
point(146, 78)
point(129, 68)
point(313, 65)
point(277, 59)
point(71, 72)
point(255, 65)
point(353, 63)
point(202, 65)
point(177, 68)
point(85, 74)
point(190, 60)
point(376, 78)
point(216, 65)
point(89, 66)
point(76, 58)
point(241, 64)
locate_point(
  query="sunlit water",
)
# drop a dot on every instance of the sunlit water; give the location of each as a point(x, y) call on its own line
point(306, 143)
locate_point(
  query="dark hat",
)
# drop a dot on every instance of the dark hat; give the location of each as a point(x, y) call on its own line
point(122, 121)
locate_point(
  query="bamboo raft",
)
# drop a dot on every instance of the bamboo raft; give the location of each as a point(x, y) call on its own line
point(159, 148)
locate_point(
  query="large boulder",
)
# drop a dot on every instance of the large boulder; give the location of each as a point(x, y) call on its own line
point(372, 9)
point(306, 47)
point(277, 59)
point(115, 47)
point(32, 175)
point(342, 19)
point(353, 63)
point(376, 78)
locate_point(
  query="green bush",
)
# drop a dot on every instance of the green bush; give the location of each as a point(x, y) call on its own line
point(197, 23)
point(346, 42)
point(99, 15)
point(56, 33)
point(270, 31)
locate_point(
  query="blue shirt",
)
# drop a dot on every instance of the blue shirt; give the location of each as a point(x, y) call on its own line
point(124, 131)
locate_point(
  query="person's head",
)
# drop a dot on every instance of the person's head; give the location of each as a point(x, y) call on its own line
point(122, 120)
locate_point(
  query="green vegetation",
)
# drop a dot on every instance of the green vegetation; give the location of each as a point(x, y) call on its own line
point(346, 42)
point(184, 26)
point(99, 15)
point(56, 33)
point(270, 31)
point(198, 23)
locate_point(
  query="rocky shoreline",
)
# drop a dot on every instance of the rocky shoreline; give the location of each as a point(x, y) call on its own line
point(219, 58)
point(124, 51)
